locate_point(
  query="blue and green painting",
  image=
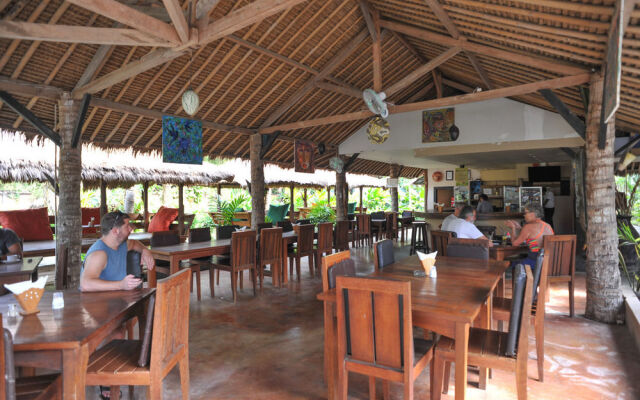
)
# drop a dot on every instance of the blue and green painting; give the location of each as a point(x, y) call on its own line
point(181, 140)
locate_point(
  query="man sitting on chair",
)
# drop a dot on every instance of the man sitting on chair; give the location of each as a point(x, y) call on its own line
point(105, 266)
point(9, 242)
point(448, 222)
point(464, 227)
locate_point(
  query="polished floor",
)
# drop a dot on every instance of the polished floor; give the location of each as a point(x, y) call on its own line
point(271, 347)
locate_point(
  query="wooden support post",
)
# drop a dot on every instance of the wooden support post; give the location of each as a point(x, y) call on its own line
point(145, 203)
point(103, 198)
point(292, 207)
point(361, 206)
point(181, 208)
point(341, 205)
point(219, 190)
point(394, 173)
point(257, 181)
point(328, 196)
point(425, 175)
point(69, 218)
point(604, 297)
point(305, 197)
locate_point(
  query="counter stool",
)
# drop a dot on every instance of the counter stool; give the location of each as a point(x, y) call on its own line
point(419, 237)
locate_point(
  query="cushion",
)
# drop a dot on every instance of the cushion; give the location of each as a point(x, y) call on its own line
point(163, 219)
point(277, 213)
point(31, 224)
point(385, 253)
point(87, 213)
point(285, 225)
point(468, 248)
point(516, 310)
point(343, 268)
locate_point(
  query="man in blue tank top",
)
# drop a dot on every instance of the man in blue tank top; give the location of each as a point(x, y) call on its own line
point(105, 266)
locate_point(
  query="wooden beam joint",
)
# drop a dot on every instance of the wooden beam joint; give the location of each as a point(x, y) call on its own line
point(576, 123)
point(267, 143)
point(77, 130)
point(350, 161)
point(30, 117)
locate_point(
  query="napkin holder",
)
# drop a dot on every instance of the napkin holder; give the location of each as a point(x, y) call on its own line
point(29, 300)
point(427, 265)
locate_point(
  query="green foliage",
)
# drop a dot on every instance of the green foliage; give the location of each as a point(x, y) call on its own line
point(629, 186)
point(202, 220)
point(626, 238)
point(227, 209)
point(377, 199)
point(89, 199)
point(321, 213)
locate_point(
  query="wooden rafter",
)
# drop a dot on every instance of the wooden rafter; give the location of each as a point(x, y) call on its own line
point(565, 112)
point(30, 117)
point(77, 129)
point(177, 17)
point(352, 92)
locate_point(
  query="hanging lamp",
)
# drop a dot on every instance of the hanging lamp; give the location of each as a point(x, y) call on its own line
point(190, 101)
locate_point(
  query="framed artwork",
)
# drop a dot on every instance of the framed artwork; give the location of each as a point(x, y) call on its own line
point(438, 125)
point(304, 153)
point(449, 175)
point(181, 140)
point(462, 177)
point(437, 176)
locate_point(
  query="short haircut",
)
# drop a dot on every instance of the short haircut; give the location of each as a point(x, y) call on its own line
point(484, 197)
point(466, 212)
point(460, 204)
point(535, 208)
point(112, 220)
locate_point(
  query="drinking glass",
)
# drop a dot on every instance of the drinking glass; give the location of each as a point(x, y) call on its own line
point(58, 300)
point(13, 310)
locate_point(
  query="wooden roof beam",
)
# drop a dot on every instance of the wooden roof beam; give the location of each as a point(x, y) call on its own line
point(544, 63)
point(30, 117)
point(177, 17)
point(78, 34)
point(131, 17)
point(352, 92)
point(572, 80)
point(565, 112)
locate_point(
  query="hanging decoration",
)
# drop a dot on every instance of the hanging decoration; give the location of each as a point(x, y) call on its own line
point(190, 101)
point(181, 140)
point(304, 156)
point(378, 130)
point(336, 164)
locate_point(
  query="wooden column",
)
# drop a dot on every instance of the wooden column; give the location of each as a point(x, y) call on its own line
point(305, 197)
point(181, 208)
point(145, 203)
point(341, 205)
point(292, 207)
point(69, 219)
point(425, 175)
point(361, 206)
point(328, 196)
point(219, 190)
point(604, 297)
point(103, 198)
point(394, 173)
point(257, 181)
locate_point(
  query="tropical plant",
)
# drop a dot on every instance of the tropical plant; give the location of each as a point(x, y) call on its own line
point(227, 209)
point(627, 239)
point(377, 199)
point(627, 196)
point(321, 213)
point(203, 220)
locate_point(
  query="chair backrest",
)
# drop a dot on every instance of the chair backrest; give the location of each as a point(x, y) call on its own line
point(170, 321)
point(270, 245)
point(164, 238)
point(364, 223)
point(134, 266)
point(243, 248)
point(328, 262)
point(392, 224)
point(343, 268)
point(62, 267)
point(145, 348)
point(377, 215)
point(305, 238)
point(487, 230)
point(7, 369)
point(468, 248)
point(561, 251)
point(264, 225)
point(407, 214)
point(383, 253)
point(439, 241)
point(518, 335)
point(325, 236)
point(200, 235)
point(374, 322)
point(286, 225)
point(537, 275)
point(224, 231)
point(303, 221)
point(342, 235)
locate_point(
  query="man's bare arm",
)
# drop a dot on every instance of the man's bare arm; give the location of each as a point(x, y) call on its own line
point(90, 279)
point(146, 257)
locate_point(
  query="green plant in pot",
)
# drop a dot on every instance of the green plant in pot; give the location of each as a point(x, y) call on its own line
point(321, 213)
point(227, 209)
point(628, 243)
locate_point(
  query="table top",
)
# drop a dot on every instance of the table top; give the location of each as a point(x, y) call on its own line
point(26, 265)
point(188, 247)
point(461, 286)
point(77, 323)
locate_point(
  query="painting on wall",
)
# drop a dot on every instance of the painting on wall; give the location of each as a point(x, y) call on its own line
point(304, 157)
point(439, 126)
point(181, 140)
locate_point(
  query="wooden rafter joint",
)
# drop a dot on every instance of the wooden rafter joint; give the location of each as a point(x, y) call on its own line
point(350, 161)
point(267, 143)
point(77, 130)
point(30, 117)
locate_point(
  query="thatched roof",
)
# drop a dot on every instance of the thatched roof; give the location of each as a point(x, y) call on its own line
point(264, 65)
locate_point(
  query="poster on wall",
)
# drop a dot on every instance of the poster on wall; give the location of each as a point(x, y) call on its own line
point(439, 125)
point(181, 140)
point(462, 176)
point(304, 157)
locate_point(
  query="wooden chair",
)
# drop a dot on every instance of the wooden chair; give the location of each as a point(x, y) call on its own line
point(561, 251)
point(419, 237)
point(468, 248)
point(202, 263)
point(243, 258)
point(439, 241)
point(405, 223)
point(270, 253)
point(62, 267)
point(264, 225)
point(391, 226)
point(42, 387)
point(494, 349)
point(342, 235)
point(169, 238)
point(501, 308)
point(383, 253)
point(324, 244)
point(375, 334)
point(364, 229)
point(328, 262)
point(122, 362)
point(304, 248)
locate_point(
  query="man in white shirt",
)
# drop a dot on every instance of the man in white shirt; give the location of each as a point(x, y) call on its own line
point(464, 227)
point(451, 218)
point(549, 203)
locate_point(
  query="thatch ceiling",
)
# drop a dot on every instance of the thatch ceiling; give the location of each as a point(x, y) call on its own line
point(247, 78)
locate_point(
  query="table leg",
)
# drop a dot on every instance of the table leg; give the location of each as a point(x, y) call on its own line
point(330, 350)
point(74, 368)
point(462, 349)
point(485, 322)
point(174, 265)
point(285, 266)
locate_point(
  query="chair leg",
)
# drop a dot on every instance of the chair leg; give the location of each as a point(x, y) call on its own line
point(437, 372)
point(198, 292)
point(447, 375)
point(343, 382)
point(385, 390)
point(261, 274)
point(131, 387)
point(408, 390)
point(212, 281)
point(241, 279)
point(253, 279)
point(298, 267)
point(571, 301)
point(521, 381)
point(115, 392)
point(154, 390)
point(234, 282)
point(372, 388)
point(539, 328)
point(184, 376)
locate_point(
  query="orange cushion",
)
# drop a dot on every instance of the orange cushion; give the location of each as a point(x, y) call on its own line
point(32, 224)
point(87, 213)
point(163, 218)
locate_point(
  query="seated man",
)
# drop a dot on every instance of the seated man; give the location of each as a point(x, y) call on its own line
point(9, 242)
point(105, 266)
point(484, 205)
point(447, 222)
point(464, 227)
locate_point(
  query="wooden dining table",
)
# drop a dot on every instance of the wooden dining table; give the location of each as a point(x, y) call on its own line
point(447, 305)
point(63, 339)
point(18, 271)
point(502, 251)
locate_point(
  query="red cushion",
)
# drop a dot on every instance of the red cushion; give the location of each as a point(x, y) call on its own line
point(32, 224)
point(87, 213)
point(163, 218)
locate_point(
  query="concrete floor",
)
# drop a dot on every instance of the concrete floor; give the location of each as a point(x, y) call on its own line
point(271, 347)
